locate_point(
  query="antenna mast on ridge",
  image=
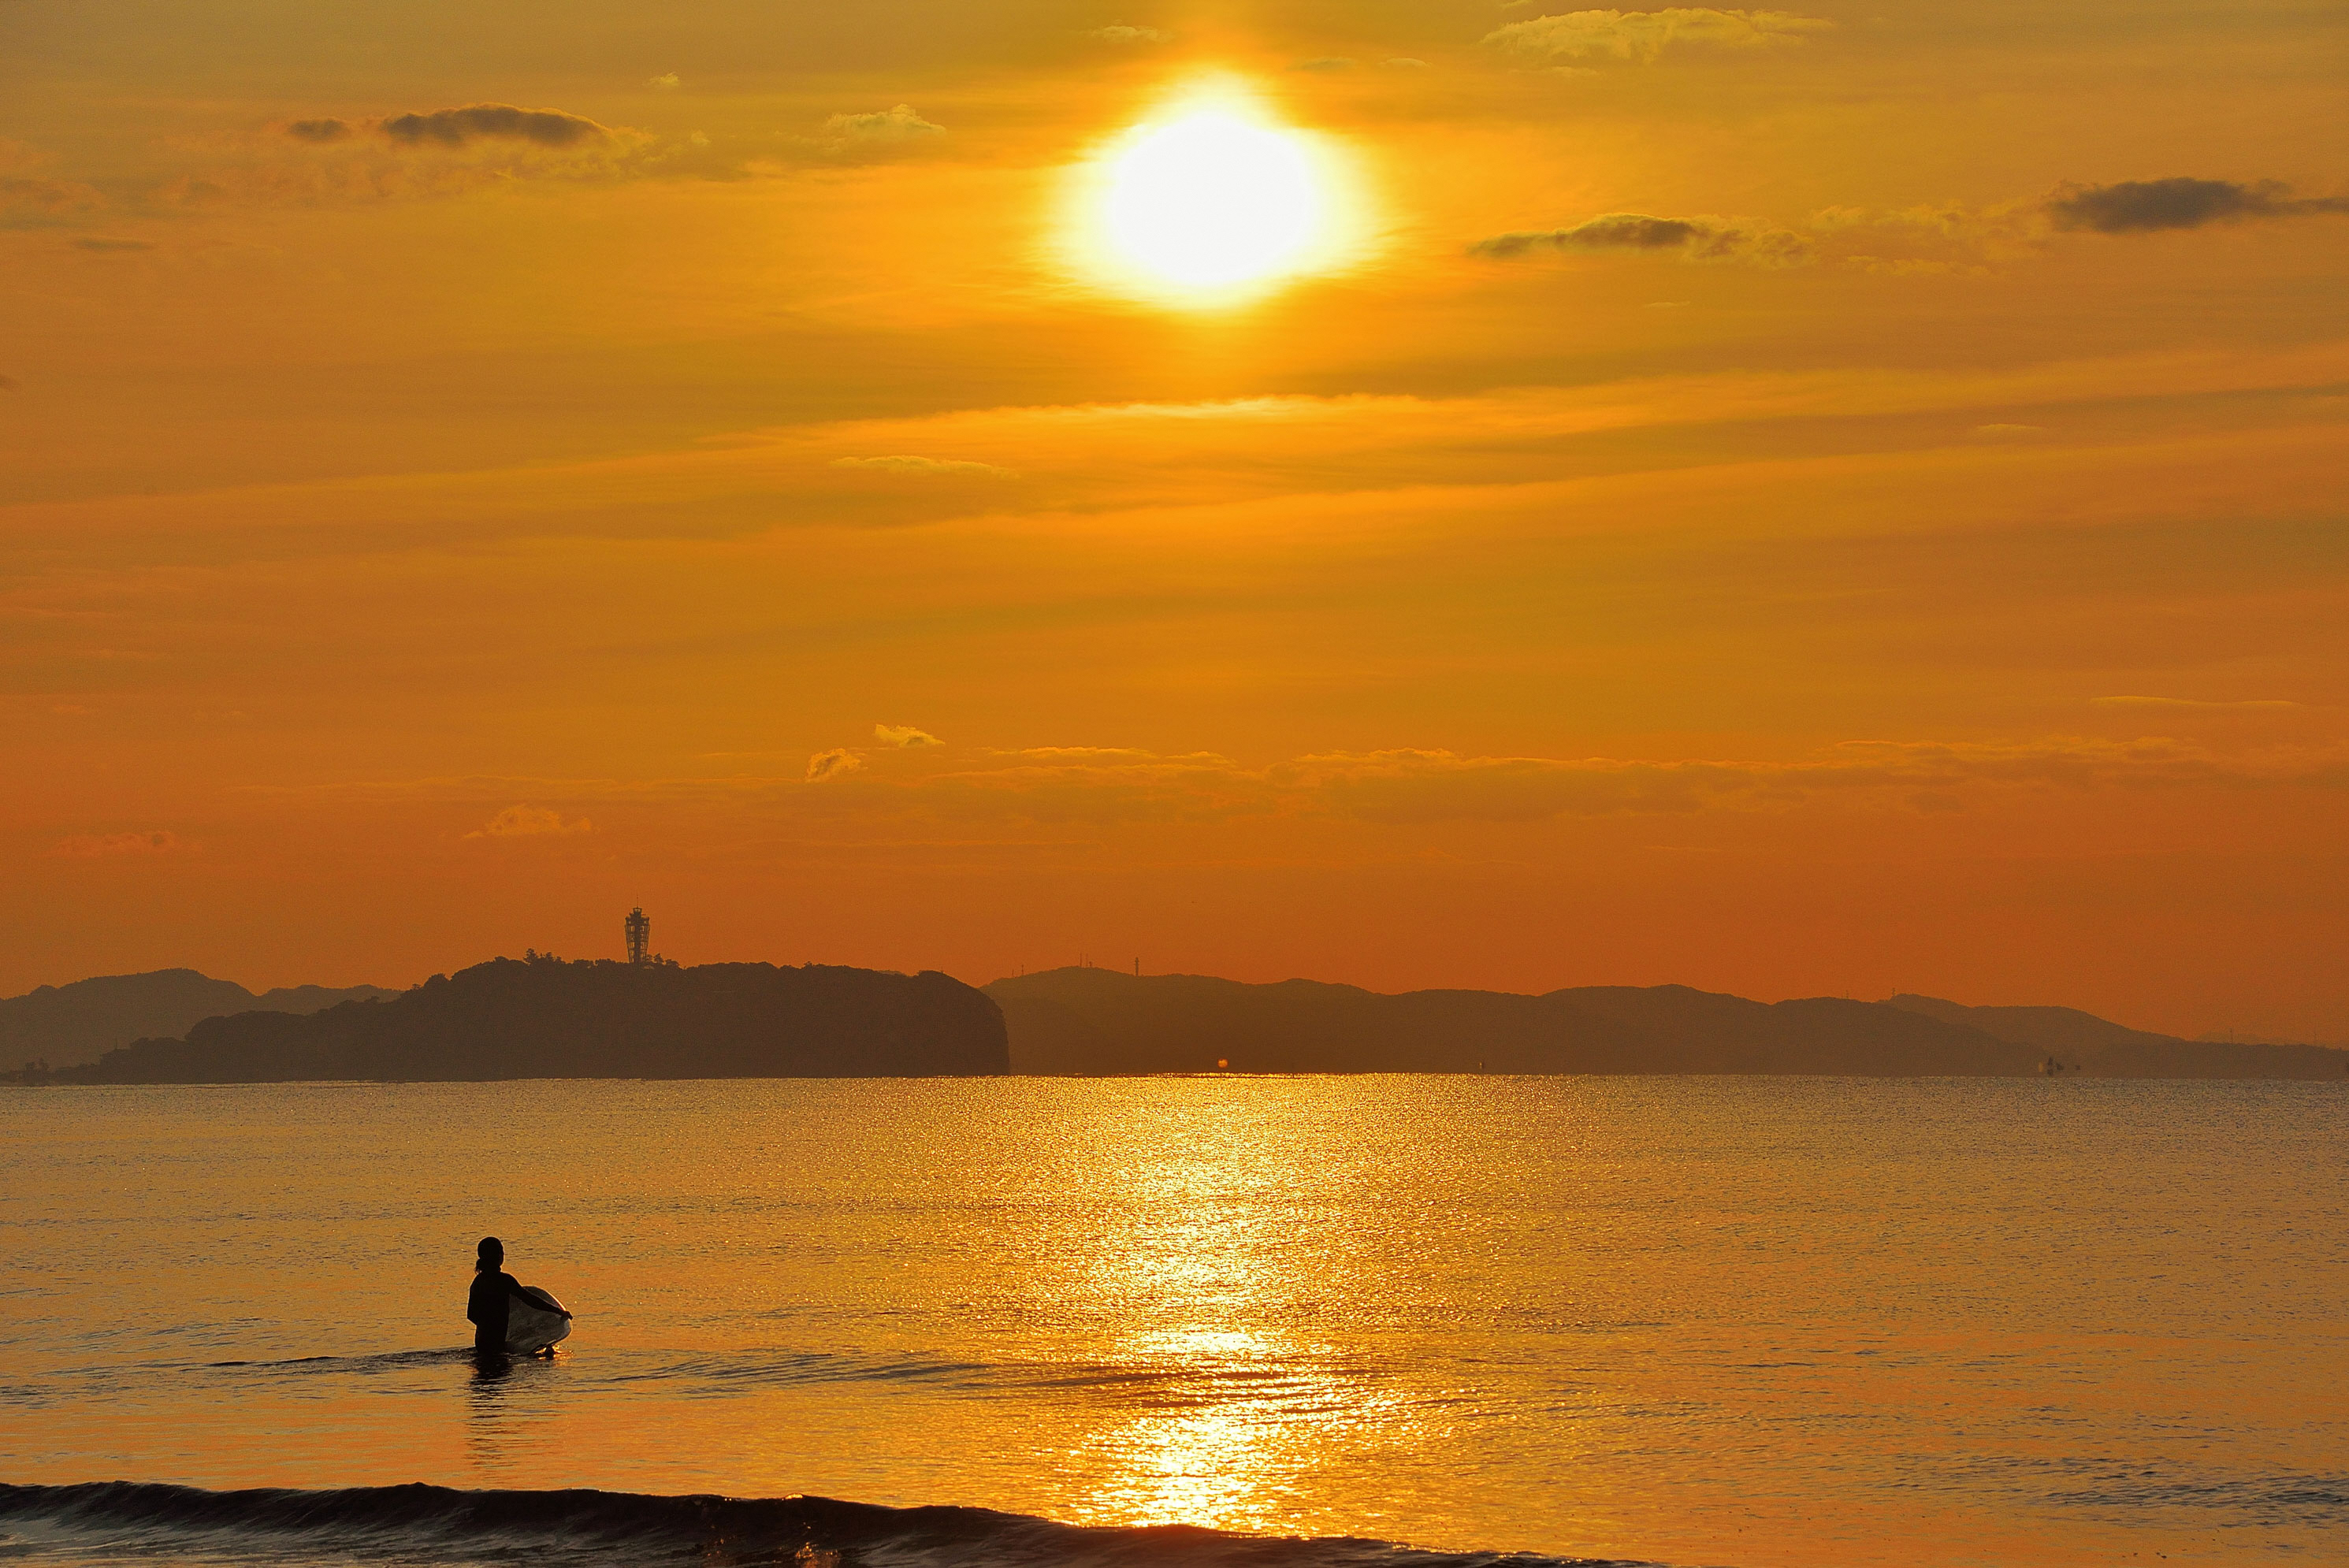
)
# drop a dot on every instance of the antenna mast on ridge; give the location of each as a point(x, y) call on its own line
point(640, 936)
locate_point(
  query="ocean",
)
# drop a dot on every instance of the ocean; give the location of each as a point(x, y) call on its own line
point(1751, 1323)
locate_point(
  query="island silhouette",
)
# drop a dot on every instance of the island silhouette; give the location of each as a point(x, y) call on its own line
point(543, 1017)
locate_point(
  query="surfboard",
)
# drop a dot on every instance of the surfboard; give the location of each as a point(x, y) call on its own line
point(535, 1322)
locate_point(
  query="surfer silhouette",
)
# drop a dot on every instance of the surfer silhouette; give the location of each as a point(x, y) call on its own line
point(486, 1306)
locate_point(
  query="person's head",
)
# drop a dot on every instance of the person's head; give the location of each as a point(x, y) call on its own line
point(490, 1255)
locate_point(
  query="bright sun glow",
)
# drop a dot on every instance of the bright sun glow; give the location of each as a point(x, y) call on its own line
point(1211, 202)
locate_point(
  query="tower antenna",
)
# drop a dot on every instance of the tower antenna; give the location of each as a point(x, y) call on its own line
point(640, 935)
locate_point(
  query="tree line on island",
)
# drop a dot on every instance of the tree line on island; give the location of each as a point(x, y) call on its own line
point(543, 1017)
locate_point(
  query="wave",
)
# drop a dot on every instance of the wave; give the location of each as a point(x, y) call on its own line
point(433, 1523)
point(382, 1360)
point(1295, 1384)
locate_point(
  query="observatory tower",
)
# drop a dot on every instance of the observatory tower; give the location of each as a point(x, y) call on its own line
point(640, 936)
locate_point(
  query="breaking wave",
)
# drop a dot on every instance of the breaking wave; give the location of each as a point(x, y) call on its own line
point(113, 1521)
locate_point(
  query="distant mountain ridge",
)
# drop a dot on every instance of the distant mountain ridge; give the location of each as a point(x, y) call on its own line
point(544, 1017)
point(1101, 1021)
point(69, 1025)
point(2084, 1043)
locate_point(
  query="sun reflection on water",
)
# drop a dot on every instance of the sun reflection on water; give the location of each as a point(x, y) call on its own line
point(1210, 1277)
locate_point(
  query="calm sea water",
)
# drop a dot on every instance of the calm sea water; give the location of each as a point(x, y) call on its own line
point(1744, 1322)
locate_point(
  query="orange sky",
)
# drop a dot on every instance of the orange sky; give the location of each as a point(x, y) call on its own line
point(1913, 559)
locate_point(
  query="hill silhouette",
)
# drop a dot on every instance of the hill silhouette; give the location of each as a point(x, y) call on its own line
point(544, 1017)
point(1103, 1021)
point(2101, 1049)
point(66, 1026)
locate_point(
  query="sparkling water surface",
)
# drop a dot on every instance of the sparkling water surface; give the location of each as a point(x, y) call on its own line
point(1725, 1321)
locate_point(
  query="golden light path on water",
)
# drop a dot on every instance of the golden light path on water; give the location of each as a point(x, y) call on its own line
point(1199, 1265)
point(1211, 202)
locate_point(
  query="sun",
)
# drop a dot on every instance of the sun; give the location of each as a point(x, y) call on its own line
point(1212, 202)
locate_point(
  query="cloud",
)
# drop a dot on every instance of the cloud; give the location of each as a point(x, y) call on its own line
point(529, 823)
point(1417, 787)
point(1431, 786)
point(940, 466)
point(2188, 702)
point(1414, 788)
point(895, 126)
point(903, 735)
point(97, 846)
point(2142, 206)
point(1692, 239)
point(1226, 469)
point(30, 198)
point(493, 121)
point(436, 152)
point(1324, 63)
point(1935, 240)
point(26, 198)
point(1406, 63)
point(97, 244)
point(1939, 238)
point(1124, 34)
point(1110, 786)
point(1643, 35)
point(664, 82)
point(1103, 785)
point(2001, 432)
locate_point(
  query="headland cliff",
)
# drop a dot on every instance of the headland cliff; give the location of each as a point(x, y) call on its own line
point(546, 1018)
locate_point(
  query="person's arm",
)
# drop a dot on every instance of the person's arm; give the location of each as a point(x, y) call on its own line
point(513, 1289)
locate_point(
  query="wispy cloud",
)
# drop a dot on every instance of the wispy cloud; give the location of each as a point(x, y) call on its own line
point(454, 128)
point(1691, 239)
point(1405, 786)
point(894, 127)
point(833, 764)
point(928, 468)
point(104, 846)
point(32, 200)
point(1643, 35)
point(530, 822)
point(1107, 786)
point(493, 122)
point(29, 198)
point(1929, 238)
point(903, 735)
point(2144, 206)
point(1235, 468)
point(420, 153)
point(2249, 705)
